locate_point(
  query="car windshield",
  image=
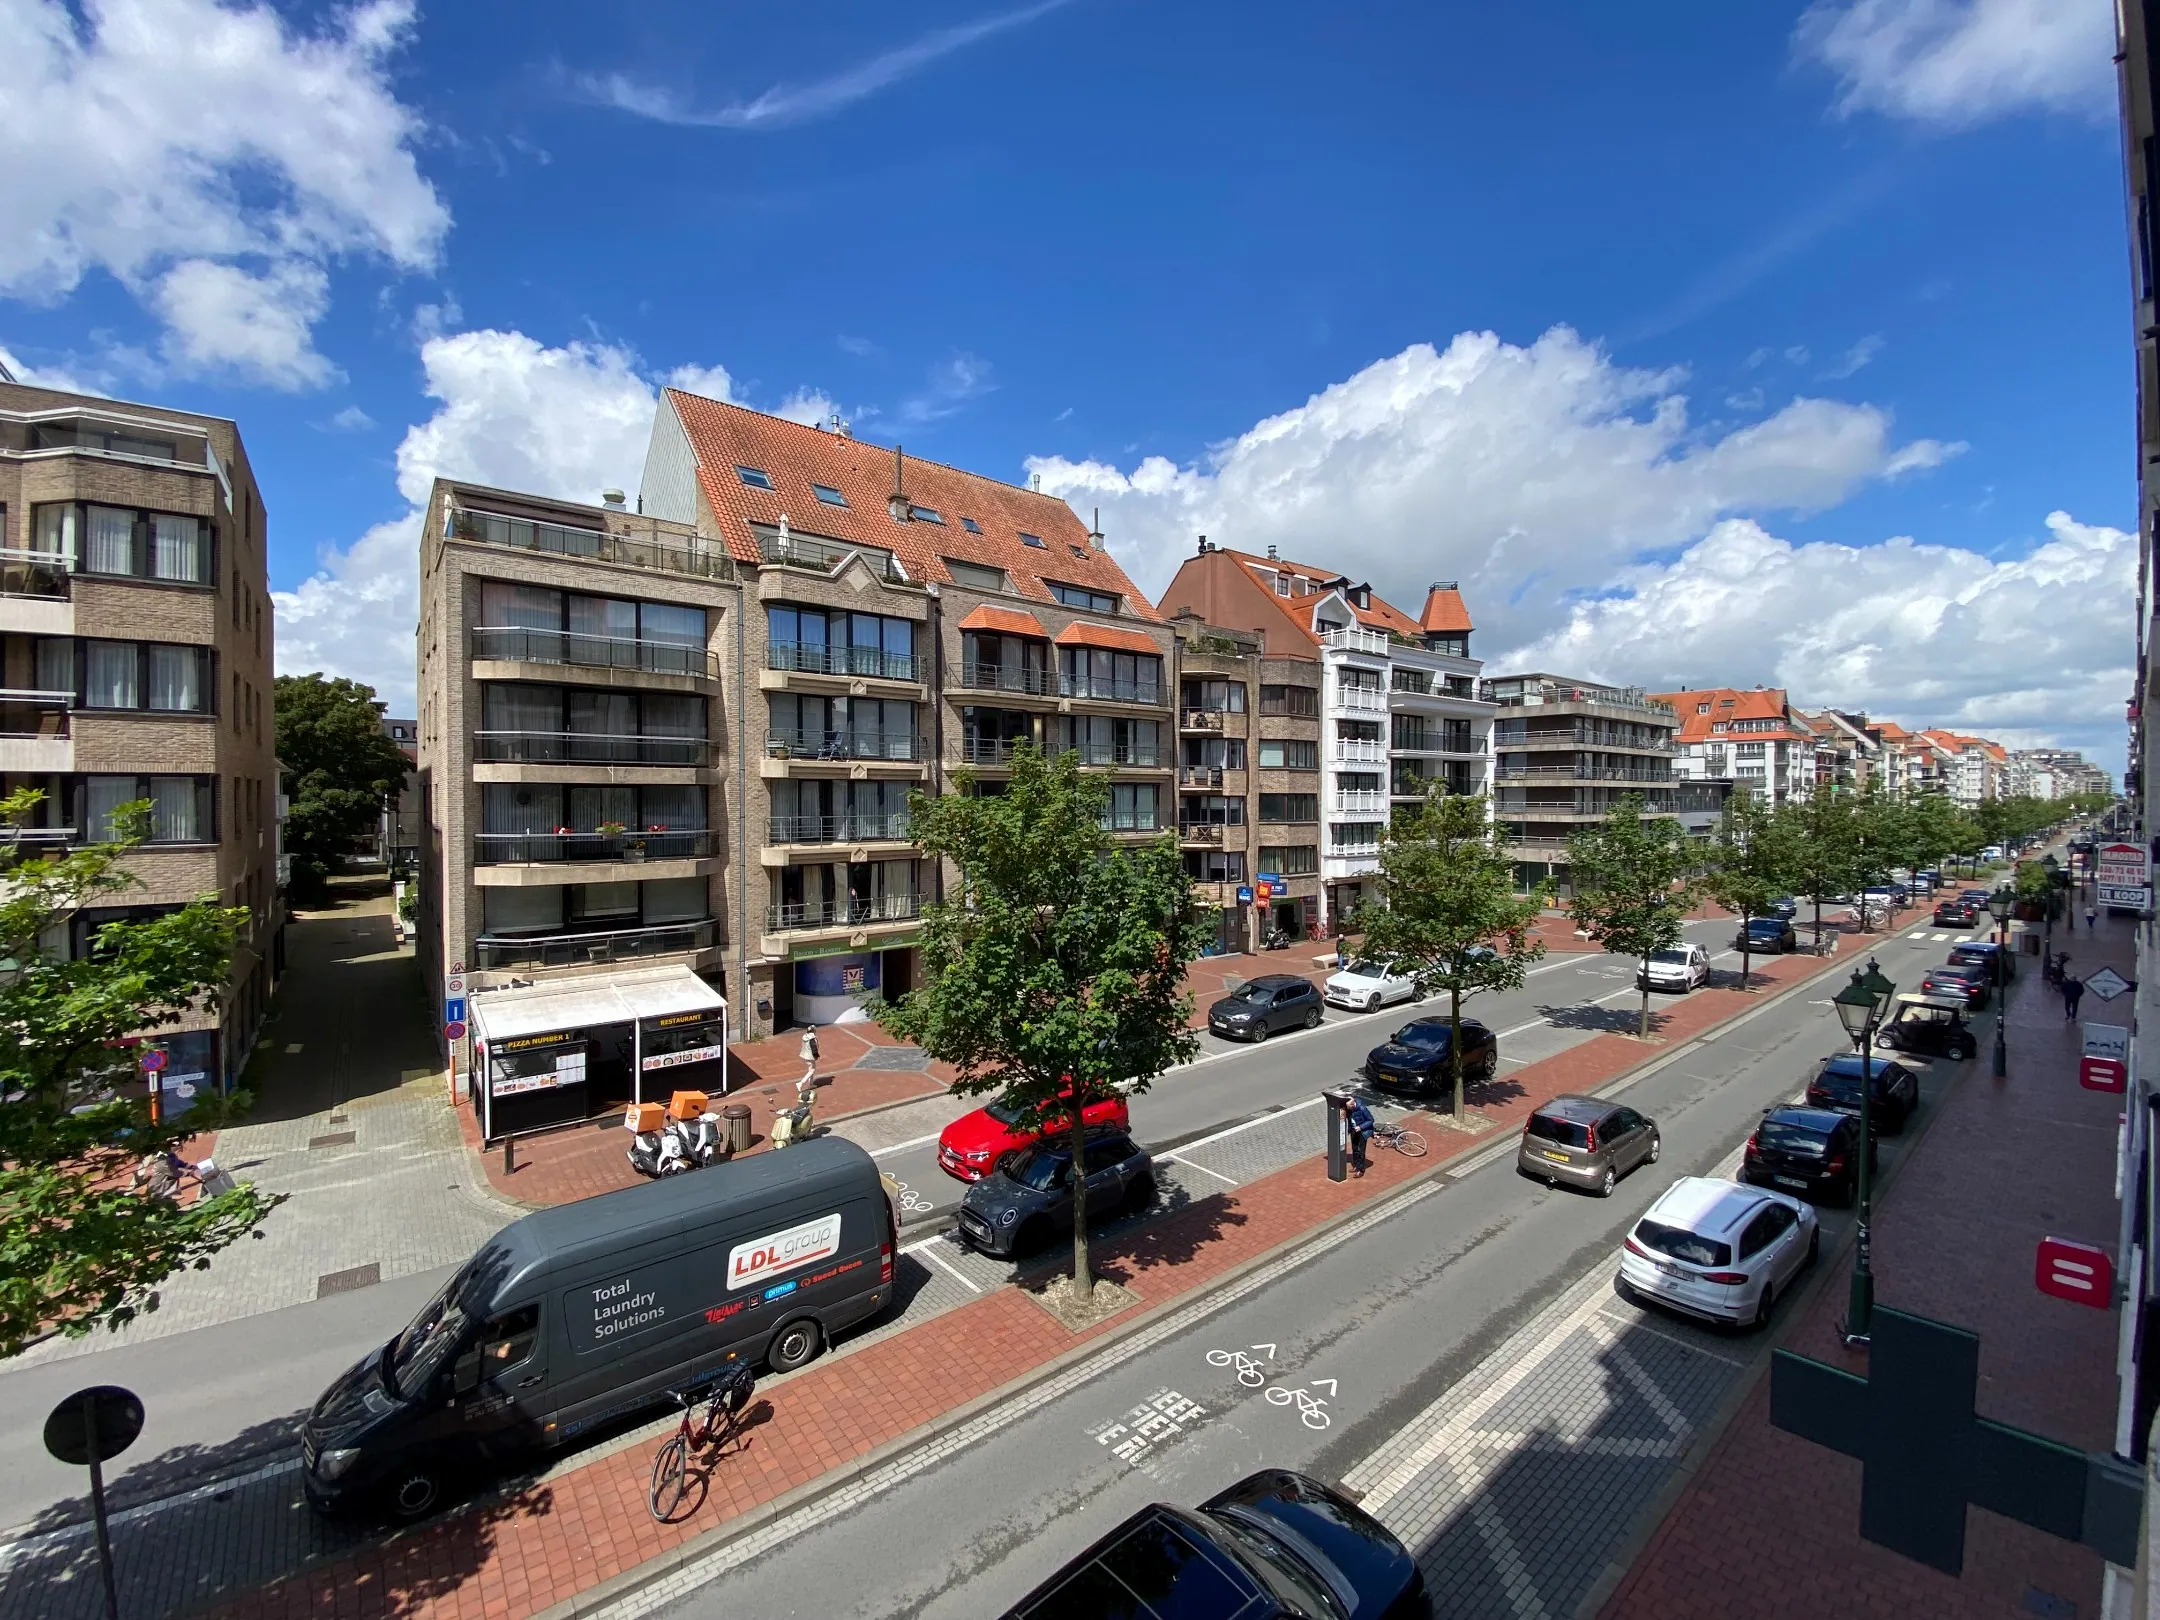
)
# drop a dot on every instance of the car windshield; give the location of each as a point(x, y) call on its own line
point(417, 1353)
point(1681, 1244)
point(1767, 925)
point(1432, 1035)
point(1782, 1137)
point(1037, 1168)
point(1279, 1568)
point(1253, 994)
point(1670, 958)
point(1366, 970)
point(1955, 970)
point(1003, 1112)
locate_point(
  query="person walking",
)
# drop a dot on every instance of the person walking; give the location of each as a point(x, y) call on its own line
point(2092, 918)
point(2073, 993)
point(1360, 1122)
point(809, 1053)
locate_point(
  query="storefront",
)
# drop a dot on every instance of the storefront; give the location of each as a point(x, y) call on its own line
point(553, 1054)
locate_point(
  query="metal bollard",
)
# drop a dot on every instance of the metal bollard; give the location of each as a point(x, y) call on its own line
point(1337, 1170)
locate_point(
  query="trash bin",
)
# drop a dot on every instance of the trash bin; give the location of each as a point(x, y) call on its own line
point(735, 1127)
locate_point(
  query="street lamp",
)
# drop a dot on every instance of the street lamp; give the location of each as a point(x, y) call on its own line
point(1861, 1006)
point(2053, 868)
point(1999, 906)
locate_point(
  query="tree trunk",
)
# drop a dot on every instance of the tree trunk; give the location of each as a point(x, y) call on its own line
point(1083, 1275)
point(1642, 1016)
point(1743, 957)
point(1455, 1044)
point(1818, 923)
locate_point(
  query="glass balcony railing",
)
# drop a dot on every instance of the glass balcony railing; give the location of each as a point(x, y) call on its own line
point(803, 551)
point(669, 555)
point(841, 829)
point(826, 658)
point(845, 745)
point(597, 652)
point(586, 748)
point(850, 913)
point(35, 574)
point(1103, 689)
point(1008, 678)
point(610, 945)
point(567, 844)
point(1098, 753)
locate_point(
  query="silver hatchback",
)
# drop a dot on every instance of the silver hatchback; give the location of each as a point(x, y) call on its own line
point(1586, 1142)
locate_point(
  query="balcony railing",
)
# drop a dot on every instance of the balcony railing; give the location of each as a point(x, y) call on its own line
point(1008, 678)
point(1586, 733)
point(842, 829)
point(1565, 773)
point(595, 652)
point(1436, 742)
point(673, 556)
point(1201, 720)
point(496, 849)
point(1361, 641)
point(844, 913)
point(1361, 803)
point(34, 573)
point(1118, 754)
point(33, 843)
point(586, 748)
point(1200, 776)
point(988, 750)
point(802, 551)
point(1354, 751)
point(1200, 832)
point(1132, 821)
point(32, 713)
point(1510, 695)
point(829, 658)
point(577, 950)
point(1368, 698)
point(845, 745)
point(1102, 689)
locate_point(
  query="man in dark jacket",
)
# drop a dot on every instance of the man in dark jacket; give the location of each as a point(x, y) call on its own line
point(1360, 1121)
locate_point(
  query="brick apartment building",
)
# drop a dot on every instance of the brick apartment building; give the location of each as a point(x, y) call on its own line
point(1564, 752)
point(135, 664)
point(1753, 738)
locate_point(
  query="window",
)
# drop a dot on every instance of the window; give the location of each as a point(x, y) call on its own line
point(1289, 807)
point(1104, 675)
point(1289, 754)
point(926, 514)
point(829, 495)
point(1080, 597)
point(1134, 807)
point(183, 809)
point(1295, 700)
point(757, 478)
point(1282, 584)
point(1213, 697)
point(1077, 551)
point(1412, 680)
point(1216, 753)
point(1034, 540)
point(1353, 837)
point(508, 1340)
point(972, 526)
point(1453, 646)
point(1104, 739)
point(1211, 810)
point(131, 675)
point(975, 576)
point(90, 436)
point(837, 641)
point(1215, 865)
point(1289, 860)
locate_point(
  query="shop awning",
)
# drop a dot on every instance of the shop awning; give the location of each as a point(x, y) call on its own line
point(595, 999)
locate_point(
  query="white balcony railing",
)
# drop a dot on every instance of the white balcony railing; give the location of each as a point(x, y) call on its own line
point(1369, 642)
point(1360, 803)
point(1367, 699)
point(1351, 751)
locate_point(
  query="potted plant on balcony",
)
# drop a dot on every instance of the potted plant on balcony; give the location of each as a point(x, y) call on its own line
point(612, 831)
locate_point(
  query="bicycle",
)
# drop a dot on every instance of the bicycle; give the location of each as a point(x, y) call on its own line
point(1248, 1370)
point(1311, 1408)
point(671, 1468)
point(1408, 1143)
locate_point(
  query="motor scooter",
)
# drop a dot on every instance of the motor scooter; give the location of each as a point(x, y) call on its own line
point(678, 1145)
point(1277, 940)
point(794, 1124)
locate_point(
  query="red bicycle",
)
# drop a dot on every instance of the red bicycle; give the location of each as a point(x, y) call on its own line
point(723, 1413)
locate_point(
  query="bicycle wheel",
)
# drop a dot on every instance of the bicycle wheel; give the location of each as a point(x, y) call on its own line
point(670, 1471)
point(1315, 1418)
point(1278, 1396)
point(1218, 1358)
point(1409, 1144)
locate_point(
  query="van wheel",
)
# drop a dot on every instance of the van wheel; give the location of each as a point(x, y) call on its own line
point(416, 1489)
point(795, 1345)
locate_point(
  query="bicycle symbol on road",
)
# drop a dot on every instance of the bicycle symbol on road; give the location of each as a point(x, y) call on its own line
point(912, 1202)
point(1311, 1409)
point(1248, 1370)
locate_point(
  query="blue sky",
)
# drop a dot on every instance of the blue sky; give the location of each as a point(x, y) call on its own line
point(1767, 289)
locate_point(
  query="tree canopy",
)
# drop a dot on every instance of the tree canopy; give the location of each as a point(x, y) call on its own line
point(1631, 880)
point(340, 770)
point(1750, 863)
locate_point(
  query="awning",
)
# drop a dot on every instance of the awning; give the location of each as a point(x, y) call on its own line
point(596, 999)
point(1102, 635)
point(1005, 621)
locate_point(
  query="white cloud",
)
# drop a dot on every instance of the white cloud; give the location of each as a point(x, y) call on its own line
point(43, 376)
point(1523, 471)
point(214, 160)
point(1859, 355)
point(2033, 647)
point(1962, 62)
point(952, 382)
point(352, 419)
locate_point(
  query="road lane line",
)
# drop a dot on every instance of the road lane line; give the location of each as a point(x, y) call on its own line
point(902, 1147)
point(1203, 1169)
point(950, 1270)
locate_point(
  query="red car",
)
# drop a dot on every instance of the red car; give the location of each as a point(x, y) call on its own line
point(971, 1145)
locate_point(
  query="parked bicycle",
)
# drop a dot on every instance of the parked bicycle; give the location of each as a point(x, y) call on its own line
point(1408, 1143)
point(724, 1406)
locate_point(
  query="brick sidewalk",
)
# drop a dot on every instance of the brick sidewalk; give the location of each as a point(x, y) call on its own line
point(520, 1554)
point(1768, 1526)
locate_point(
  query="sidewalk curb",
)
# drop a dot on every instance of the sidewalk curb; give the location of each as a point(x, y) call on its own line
point(621, 1585)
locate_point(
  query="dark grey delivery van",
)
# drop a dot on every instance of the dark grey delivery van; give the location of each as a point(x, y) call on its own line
point(574, 1316)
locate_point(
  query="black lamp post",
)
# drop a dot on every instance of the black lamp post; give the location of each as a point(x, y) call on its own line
point(1999, 906)
point(1861, 1006)
point(2050, 865)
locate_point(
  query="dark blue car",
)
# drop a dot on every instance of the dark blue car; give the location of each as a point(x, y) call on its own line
point(1766, 936)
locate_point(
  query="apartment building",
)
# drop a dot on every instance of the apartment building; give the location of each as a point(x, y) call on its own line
point(1564, 751)
point(1848, 749)
point(1397, 706)
point(1971, 770)
point(1752, 738)
point(397, 836)
point(135, 664)
point(2053, 773)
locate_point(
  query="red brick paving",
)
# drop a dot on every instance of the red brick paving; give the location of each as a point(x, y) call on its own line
point(1768, 1526)
point(506, 1560)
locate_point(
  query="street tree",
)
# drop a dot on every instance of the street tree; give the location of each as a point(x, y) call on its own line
point(1879, 833)
point(80, 1245)
point(340, 770)
point(1055, 970)
point(1450, 917)
point(1631, 880)
point(1749, 864)
point(1816, 833)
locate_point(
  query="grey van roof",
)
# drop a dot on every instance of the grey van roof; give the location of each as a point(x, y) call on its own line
point(594, 1228)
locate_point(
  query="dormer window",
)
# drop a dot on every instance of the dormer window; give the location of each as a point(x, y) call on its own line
point(1282, 584)
point(1034, 540)
point(973, 527)
point(975, 575)
point(829, 495)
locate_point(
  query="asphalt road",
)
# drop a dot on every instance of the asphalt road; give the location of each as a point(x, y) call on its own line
point(1387, 1321)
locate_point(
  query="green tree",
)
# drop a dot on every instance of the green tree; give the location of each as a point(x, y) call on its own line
point(1450, 916)
point(1631, 881)
point(78, 1244)
point(1056, 969)
point(1816, 833)
point(1749, 863)
point(1880, 833)
point(1939, 827)
point(340, 770)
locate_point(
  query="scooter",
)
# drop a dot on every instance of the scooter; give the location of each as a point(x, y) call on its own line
point(678, 1145)
point(794, 1124)
point(1278, 940)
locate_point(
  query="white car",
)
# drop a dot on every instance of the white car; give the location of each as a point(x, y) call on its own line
point(1365, 985)
point(1682, 968)
point(1718, 1250)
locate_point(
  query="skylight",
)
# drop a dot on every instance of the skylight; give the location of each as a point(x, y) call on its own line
point(925, 514)
point(1035, 540)
point(1077, 551)
point(827, 494)
point(971, 525)
point(755, 477)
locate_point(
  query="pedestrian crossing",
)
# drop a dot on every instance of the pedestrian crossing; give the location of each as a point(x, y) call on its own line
point(1955, 939)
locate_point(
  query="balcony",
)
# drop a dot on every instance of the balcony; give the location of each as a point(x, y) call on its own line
point(1511, 695)
point(842, 747)
point(1200, 832)
point(1128, 754)
point(1201, 720)
point(586, 748)
point(1362, 699)
point(802, 551)
point(34, 734)
point(672, 556)
point(1354, 751)
point(39, 574)
point(1008, 678)
point(988, 750)
point(1369, 642)
point(587, 949)
point(850, 913)
point(565, 844)
point(1574, 773)
point(511, 644)
point(1102, 689)
point(1200, 776)
point(1132, 821)
point(33, 843)
point(842, 829)
point(1464, 741)
point(824, 658)
point(1360, 802)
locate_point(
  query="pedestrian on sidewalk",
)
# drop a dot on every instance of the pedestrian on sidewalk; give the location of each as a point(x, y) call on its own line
point(2073, 993)
point(1360, 1122)
point(2092, 918)
point(809, 1052)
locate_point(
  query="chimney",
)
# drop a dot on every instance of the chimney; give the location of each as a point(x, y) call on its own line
point(612, 499)
point(1095, 537)
point(1035, 483)
point(1271, 557)
point(897, 501)
point(1203, 545)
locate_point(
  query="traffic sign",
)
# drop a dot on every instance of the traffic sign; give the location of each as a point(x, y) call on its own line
point(454, 1030)
point(453, 987)
point(101, 1422)
point(152, 1060)
point(457, 967)
point(454, 1011)
point(2077, 1272)
point(2107, 984)
point(2103, 1074)
point(1264, 890)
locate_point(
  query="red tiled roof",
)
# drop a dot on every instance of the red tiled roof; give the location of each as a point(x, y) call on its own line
point(1727, 704)
point(1007, 621)
point(1082, 633)
point(1383, 615)
point(1445, 612)
point(794, 456)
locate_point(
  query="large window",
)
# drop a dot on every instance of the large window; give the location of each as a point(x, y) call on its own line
point(1215, 865)
point(533, 821)
point(131, 675)
point(835, 641)
point(1216, 753)
point(535, 624)
point(821, 727)
point(1134, 807)
point(1353, 837)
point(127, 542)
point(1080, 596)
point(1005, 663)
point(183, 809)
point(1296, 700)
point(1211, 810)
point(524, 912)
point(1214, 697)
point(1289, 807)
point(572, 725)
point(1289, 754)
point(1105, 739)
point(975, 576)
point(1289, 860)
point(1103, 675)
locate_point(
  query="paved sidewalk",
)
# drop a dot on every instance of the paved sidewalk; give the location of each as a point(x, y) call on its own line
point(1769, 1525)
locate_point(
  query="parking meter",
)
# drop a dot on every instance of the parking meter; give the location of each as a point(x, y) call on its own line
point(1336, 1100)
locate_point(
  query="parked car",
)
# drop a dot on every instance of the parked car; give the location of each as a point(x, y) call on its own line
point(1966, 979)
point(1994, 852)
point(1983, 954)
point(1811, 1151)
point(1895, 1093)
point(1956, 913)
point(1266, 1006)
point(1418, 1056)
point(1766, 936)
point(1718, 1250)
point(1681, 968)
point(1927, 881)
point(1979, 897)
point(1931, 1025)
point(971, 1145)
point(1028, 1200)
point(1785, 906)
point(1274, 1546)
point(1365, 985)
point(1586, 1142)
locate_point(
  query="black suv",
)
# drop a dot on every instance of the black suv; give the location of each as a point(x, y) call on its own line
point(1895, 1095)
point(1766, 936)
point(1811, 1151)
point(1417, 1056)
point(1028, 1199)
point(1266, 1006)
